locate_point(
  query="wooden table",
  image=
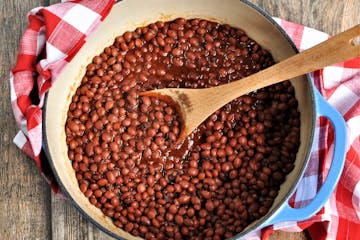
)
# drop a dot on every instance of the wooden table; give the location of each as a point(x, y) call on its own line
point(28, 208)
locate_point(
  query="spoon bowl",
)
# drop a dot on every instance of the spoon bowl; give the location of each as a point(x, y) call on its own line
point(195, 105)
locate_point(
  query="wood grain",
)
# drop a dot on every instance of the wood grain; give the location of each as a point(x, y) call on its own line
point(24, 195)
point(67, 223)
point(331, 16)
point(29, 210)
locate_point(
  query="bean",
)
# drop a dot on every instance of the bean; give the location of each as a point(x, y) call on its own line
point(111, 177)
point(102, 182)
point(151, 213)
point(179, 219)
point(209, 205)
point(73, 126)
point(206, 194)
point(83, 187)
point(184, 199)
point(173, 209)
point(193, 171)
point(227, 166)
point(148, 36)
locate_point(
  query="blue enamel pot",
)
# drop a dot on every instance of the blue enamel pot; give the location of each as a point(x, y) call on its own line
point(129, 14)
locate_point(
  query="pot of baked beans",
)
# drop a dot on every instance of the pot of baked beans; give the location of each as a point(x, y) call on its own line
point(115, 153)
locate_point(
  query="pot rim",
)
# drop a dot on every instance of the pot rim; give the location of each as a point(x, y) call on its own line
point(254, 226)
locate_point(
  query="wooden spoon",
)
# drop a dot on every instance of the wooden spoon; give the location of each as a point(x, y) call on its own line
point(196, 105)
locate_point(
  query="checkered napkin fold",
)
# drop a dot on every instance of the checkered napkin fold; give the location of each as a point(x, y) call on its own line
point(56, 33)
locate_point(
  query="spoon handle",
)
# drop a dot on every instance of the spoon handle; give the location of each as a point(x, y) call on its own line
point(339, 48)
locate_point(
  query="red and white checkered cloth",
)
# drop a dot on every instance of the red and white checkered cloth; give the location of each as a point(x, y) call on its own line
point(56, 33)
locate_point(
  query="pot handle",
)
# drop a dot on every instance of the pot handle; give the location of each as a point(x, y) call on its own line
point(287, 213)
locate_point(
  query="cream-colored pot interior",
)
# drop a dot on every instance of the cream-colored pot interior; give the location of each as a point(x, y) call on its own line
point(126, 16)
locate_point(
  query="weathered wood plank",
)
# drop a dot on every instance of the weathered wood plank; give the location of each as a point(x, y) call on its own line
point(325, 15)
point(67, 223)
point(24, 195)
